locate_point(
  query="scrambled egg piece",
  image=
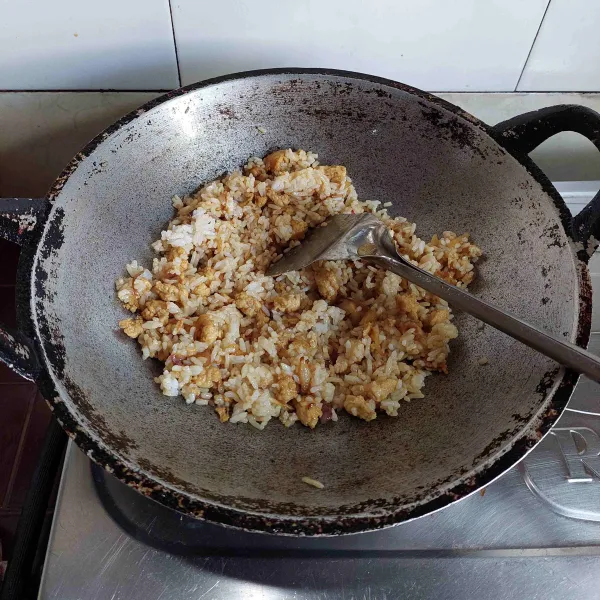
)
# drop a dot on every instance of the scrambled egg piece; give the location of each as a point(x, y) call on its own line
point(156, 309)
point(308, 412)
point(166, 291)
point(208, 329)
point(249, 305)
point(275, 161)
point(336, 173)
point(132, 327)
point(359, 407)
point(287, 303)
point(438, 316)
point(299, 228)
point(207, 379)
point(223, 412)
point(327, 283)
point(382, 388)
point(407, 303)
point(287, 390)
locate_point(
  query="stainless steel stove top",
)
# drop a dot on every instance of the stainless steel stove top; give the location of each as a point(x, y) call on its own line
point(535, 533)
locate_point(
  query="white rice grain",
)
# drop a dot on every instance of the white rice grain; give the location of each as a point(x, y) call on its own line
point(313, 482)
point(230, 337)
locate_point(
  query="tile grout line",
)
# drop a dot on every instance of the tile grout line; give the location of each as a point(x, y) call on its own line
point(166, 90)
point(515, 91)
point(86, 91)
point(175, 42)
point(19, 453)
point(532, 45)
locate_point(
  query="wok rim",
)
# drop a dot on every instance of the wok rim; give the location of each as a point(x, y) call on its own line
point(152, 487)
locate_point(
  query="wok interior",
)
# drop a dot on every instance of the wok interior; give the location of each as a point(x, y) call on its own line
point(437, 169)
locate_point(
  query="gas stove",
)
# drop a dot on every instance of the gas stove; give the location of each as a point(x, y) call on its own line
point(534, 532)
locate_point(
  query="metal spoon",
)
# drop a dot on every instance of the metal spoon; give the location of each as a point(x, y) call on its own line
point(365, 237)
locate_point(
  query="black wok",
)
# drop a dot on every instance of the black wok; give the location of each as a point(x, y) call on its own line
point(439, 166)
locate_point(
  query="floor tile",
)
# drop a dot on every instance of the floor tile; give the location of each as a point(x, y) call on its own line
point(8, 527)
point(34, 436)
point(67, 44)
point(8, 318)
point(8, 376)
point(461, 45)
point(9, 259)
point(15, 405)
point(8, 311)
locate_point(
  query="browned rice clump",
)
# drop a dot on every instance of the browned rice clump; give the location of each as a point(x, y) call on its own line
point(303, 345)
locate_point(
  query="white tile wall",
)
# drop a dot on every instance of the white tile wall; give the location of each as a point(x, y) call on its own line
point(86, 44)
point(566, 54)
point(431, 44)
point(464, 45)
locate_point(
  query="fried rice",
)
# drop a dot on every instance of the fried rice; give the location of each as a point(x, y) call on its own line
point(303, 346)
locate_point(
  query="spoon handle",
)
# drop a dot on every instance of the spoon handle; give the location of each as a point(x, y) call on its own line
point(560, 350)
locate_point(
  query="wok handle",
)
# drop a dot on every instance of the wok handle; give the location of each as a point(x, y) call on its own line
point(557, 349)
point(526, 132)
point(21, 221)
